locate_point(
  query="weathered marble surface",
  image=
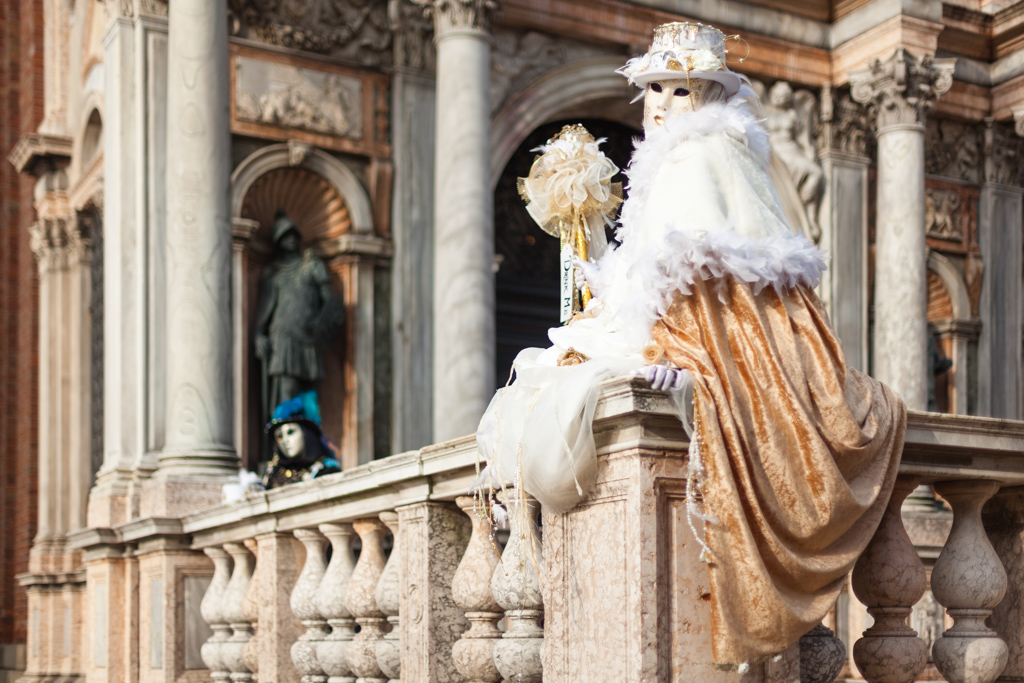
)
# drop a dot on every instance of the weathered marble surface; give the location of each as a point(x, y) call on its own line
point(281, 556)
point(388, 650)
point(361, 603)
point(303, 602)
point(330, 601)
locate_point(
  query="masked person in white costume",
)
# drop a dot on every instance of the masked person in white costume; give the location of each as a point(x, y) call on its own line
point(711, 294)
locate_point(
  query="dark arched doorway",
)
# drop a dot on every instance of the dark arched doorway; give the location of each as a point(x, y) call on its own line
point(526, 284)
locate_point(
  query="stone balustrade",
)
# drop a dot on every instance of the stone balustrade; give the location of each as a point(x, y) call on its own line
point(613, 590)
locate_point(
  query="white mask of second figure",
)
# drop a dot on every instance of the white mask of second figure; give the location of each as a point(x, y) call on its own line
point(291, 439)
point(667, 98)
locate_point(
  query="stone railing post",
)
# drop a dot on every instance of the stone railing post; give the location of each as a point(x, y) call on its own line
point(969, 581)
point(233, 612)
point(251, 611)
point(212, 611)
point(889, 578)
point(516, 585)
point(279, 564)
point(389, 650)
point(303, 603)
point(473, 654)
point(361, 603)
point(899, 92)
point(330, 601)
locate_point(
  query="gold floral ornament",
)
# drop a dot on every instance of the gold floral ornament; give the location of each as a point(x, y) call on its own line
point(570, 194)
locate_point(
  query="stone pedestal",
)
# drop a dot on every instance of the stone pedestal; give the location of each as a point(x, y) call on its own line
point(281, 557)
point(899, 92)
point(199, 452)
point(434, 538)
point(463, 218)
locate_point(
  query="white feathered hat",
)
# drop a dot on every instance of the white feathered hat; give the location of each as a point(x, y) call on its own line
point(684, 49)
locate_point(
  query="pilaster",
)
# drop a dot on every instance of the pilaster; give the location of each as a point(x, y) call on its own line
point(898, 93)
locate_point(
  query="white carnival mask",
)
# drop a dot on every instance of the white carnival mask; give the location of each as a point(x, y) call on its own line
point(291, 439)
point(672, 96)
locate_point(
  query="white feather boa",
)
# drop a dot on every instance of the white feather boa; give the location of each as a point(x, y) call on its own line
point(680, 258)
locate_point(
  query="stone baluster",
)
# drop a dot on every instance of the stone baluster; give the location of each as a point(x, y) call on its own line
point(362, 604)
point(969, 581)
point(303, 603)
point(233, 612)
point(516, 585)
point(473, 654)
point(889, 579)
point(822, 655)
point(251, 611)
point(330, 600)
point(388, 650)
point(212, 611)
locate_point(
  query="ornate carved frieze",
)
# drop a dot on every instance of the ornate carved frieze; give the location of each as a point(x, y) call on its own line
point(843, 124)
point(352, 30)
point(412, 36)
point(1003, 155)
point(519, 57)
point(953, 150)
point(901, 89)
point(119, 8)
point(450, 15)
point(153, 8)
point(942, 214)
point(951, 216)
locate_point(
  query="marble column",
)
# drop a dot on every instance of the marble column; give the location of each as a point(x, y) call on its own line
point(199, 438)
point(898, 92)
point(463, 217)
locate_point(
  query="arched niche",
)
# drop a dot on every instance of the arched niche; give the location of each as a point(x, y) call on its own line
point(333, 213)
point(956, 328)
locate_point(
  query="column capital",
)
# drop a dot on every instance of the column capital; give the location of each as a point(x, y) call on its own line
point(59, 242)
point(900, 90)
point(1003, 154)
point(454, 15)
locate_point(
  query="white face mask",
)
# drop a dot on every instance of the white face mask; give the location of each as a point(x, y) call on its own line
point(664, 99)
point(291, 439)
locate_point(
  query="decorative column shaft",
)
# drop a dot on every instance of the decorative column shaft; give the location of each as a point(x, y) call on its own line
point(899, 92)
point(969, 581)
point(360, 601)
point(199, 370)
point(233, 612)
point(471, 586)
point(388, 650)
point(304, 605)
point(330, 601)
point(889, 578)
point(464, 334)
point(212, 611)
point(516, 586)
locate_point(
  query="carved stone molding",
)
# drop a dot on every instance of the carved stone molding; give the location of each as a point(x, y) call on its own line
point(153, 8)
point(900, 90)
point(953, 150)
point(843, 124)
point(1004, 154)
point(450, 15)
point(352, 30)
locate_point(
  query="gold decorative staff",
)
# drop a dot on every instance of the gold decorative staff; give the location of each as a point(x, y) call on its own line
point(570, 194)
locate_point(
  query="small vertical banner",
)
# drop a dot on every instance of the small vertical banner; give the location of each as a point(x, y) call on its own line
point(568, 285)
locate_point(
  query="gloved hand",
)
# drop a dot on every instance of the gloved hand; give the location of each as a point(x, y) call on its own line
point(663, 378)
point(585, 273)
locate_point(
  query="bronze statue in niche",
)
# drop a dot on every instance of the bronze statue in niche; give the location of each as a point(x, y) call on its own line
point(298, 313)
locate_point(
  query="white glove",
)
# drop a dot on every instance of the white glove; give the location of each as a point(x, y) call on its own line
point(585, 273)
point(663, 378)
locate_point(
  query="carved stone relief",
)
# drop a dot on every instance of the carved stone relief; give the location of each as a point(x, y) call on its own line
point(153, 8)
point(953, 150)
point(352, 30)
point(791, 120)
point(519, 57)
point(942, 214)
point(412, 36)
point(1003, 155)
point(293, 97)
point(57, 243)
point(843, 124)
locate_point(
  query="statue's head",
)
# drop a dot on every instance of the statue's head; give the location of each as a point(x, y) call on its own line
point(285, 233)
point(781, 95)
point(683, 70)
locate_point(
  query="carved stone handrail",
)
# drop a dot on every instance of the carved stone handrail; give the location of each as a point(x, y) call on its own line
point(631, 422)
